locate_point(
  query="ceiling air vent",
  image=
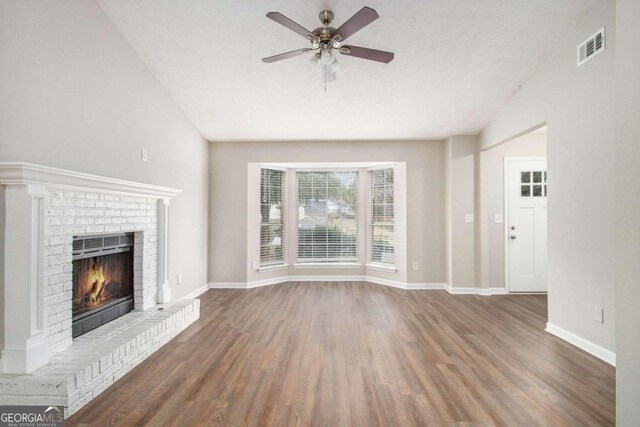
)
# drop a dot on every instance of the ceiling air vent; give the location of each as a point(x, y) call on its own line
point(591, 47)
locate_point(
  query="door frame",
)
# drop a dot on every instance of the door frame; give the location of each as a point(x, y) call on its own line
point(507, 162)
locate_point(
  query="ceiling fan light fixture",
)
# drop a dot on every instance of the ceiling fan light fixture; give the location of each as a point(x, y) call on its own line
point(327, 58)
point(335, 66)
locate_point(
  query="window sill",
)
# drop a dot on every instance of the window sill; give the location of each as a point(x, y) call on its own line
point(382, 267)
point(328, 265)
point(273, 268)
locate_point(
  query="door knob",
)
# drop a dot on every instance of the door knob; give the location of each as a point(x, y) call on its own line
point(512, 237)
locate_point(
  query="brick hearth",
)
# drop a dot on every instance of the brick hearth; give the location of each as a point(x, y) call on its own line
point(99, 358)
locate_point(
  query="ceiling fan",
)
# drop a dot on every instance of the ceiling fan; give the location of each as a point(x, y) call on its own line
point(326, 41)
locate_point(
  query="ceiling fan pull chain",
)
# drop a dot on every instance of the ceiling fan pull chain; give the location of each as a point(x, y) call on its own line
point(324, 77)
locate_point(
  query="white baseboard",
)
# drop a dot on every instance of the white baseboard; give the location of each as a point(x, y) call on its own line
point(461, 291)
point(283, 279)
point(352, 278)
point(385, 282)
point(266, 282)
point(322, 278)
point(426, 286)
point(474, 291)
point(492, 291)
point(586, 345)
point(228, 285)
point(197, 292)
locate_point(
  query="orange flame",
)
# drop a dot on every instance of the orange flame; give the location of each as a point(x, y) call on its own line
point(97, 278)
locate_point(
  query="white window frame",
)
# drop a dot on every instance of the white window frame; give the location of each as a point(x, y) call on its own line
point(374, 265)
point(284, 215)
point(302, 263)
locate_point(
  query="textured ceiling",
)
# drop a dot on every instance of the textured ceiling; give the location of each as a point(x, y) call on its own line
point(456, 64)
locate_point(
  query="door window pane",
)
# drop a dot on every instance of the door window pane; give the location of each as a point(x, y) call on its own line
point(537, 176)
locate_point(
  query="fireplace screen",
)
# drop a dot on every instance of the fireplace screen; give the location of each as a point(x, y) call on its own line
point(102, 280)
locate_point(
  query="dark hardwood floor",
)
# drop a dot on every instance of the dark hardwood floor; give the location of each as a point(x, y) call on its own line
point(345, 353)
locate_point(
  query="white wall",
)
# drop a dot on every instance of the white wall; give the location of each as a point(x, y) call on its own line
point(460, 190)
point(74, 95)
point(228, 189)
point(627, 151)
point(577, 104)
point(492, 202)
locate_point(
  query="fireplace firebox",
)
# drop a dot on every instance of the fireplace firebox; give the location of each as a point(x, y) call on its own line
point(102, 280)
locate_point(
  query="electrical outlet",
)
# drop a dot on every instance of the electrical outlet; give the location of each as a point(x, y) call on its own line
point(255, 265)
point(143, 154)
point(416, 266)
point(598, 314)
point(179, 279)
point(468, 218)
point(499, 219)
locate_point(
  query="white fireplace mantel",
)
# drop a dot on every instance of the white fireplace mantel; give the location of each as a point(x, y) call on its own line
point(22, 173)
point(24, 187)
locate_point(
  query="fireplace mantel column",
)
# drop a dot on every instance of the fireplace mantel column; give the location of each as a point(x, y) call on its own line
point(25, 345)
point(164, 291)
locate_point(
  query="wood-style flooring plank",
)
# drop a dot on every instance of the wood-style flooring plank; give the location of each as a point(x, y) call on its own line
point(358, 354)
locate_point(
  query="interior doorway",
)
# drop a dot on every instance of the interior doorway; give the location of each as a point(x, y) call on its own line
point(525, 224)
point(498, 266)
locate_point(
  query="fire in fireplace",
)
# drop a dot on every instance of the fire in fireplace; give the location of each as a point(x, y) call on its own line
point(102, 280)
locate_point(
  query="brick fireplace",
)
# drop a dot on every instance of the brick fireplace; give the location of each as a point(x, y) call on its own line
point(48, 215)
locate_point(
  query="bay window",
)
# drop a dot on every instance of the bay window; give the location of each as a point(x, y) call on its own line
point(341, 217)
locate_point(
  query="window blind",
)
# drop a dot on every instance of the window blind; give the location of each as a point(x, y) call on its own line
point(272, 217)
point(381, 217)
point(327, 217)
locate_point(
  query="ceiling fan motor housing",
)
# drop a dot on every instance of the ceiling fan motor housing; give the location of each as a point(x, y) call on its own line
point(325, 36)
point(326, 17)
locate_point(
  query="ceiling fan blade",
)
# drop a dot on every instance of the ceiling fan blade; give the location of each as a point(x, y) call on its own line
point(366, 53)
point(327, 74)
point(286, 55)
point(293, 26)
point(361, 19)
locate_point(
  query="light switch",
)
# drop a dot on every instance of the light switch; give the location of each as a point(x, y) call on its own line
point(499, 219)
point(598, 314)
point(468, 218)
point(255, 265)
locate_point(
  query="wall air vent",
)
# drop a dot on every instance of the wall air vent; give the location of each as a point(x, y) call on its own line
point(591, 47)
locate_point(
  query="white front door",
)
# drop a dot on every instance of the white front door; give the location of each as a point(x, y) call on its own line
point(527, 225)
